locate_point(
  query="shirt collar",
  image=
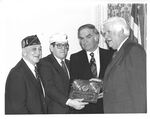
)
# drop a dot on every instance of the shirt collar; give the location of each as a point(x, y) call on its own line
point(31, 67)
point(121, 44)
point(59, 60)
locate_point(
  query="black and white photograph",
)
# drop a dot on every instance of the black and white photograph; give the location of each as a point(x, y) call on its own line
point(74, 59)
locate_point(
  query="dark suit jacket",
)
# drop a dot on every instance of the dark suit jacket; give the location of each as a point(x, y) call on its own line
point(125, 80)
point(22, 95)
point(56, 84)
point(80, 69)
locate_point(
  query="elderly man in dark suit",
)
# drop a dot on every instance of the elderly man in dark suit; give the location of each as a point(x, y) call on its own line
point(24, 93)
point(125, 76)
point(54, 70)
point(83, 62)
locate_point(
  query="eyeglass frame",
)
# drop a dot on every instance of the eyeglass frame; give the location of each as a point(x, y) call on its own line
point(60, 45)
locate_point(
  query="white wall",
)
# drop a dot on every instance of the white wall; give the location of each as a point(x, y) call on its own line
point(42, 18)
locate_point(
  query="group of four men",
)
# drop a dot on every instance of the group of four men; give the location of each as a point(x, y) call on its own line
point(39, 85)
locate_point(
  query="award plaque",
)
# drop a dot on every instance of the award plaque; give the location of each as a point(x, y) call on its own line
point(85, 89)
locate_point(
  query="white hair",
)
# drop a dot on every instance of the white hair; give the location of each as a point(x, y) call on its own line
point(118, 23)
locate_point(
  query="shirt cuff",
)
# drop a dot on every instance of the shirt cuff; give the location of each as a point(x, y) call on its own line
point(67, 103)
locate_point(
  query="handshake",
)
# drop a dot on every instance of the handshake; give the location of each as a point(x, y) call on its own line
point(76, 103)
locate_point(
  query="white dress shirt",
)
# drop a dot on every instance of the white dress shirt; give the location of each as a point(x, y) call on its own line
point(121, 44)
point(31, 67)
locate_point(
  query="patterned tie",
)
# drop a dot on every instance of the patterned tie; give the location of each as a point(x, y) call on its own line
point(39, 81)
point(64, 68)
point(93, 65)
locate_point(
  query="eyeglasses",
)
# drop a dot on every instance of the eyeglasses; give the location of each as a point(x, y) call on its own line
point(60, 45)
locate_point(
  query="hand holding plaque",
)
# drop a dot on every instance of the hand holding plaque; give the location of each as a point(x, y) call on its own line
point(85, 89)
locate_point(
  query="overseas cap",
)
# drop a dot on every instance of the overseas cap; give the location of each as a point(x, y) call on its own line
point(59, 38)
point(30, 40)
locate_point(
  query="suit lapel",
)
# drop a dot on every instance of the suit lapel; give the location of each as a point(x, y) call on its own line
point(57, 66)
point(29, 74)
point(101, 59)
point(27, 70)
point(115, 60)
point(85, 64)
point(67, 64)
point(62, 77)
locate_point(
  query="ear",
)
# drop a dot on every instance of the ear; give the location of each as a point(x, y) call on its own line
point(24, 53)
point(96, 38)
point(51, 48)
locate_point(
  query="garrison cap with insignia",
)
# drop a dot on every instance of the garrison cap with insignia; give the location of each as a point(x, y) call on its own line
point(30, 40)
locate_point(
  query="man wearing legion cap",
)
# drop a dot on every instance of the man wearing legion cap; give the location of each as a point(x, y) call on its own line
point(24, 91)
point(54, 70)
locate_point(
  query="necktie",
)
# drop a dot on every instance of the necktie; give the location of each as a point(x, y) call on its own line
point(38, 80)
point(64, 68)
point(93, 65)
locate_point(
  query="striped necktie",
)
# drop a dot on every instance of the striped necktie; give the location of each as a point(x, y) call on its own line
point(93, 65)
point(39, 82)
point(64, 68)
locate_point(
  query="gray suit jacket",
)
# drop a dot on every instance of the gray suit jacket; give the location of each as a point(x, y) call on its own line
point(125, 81)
